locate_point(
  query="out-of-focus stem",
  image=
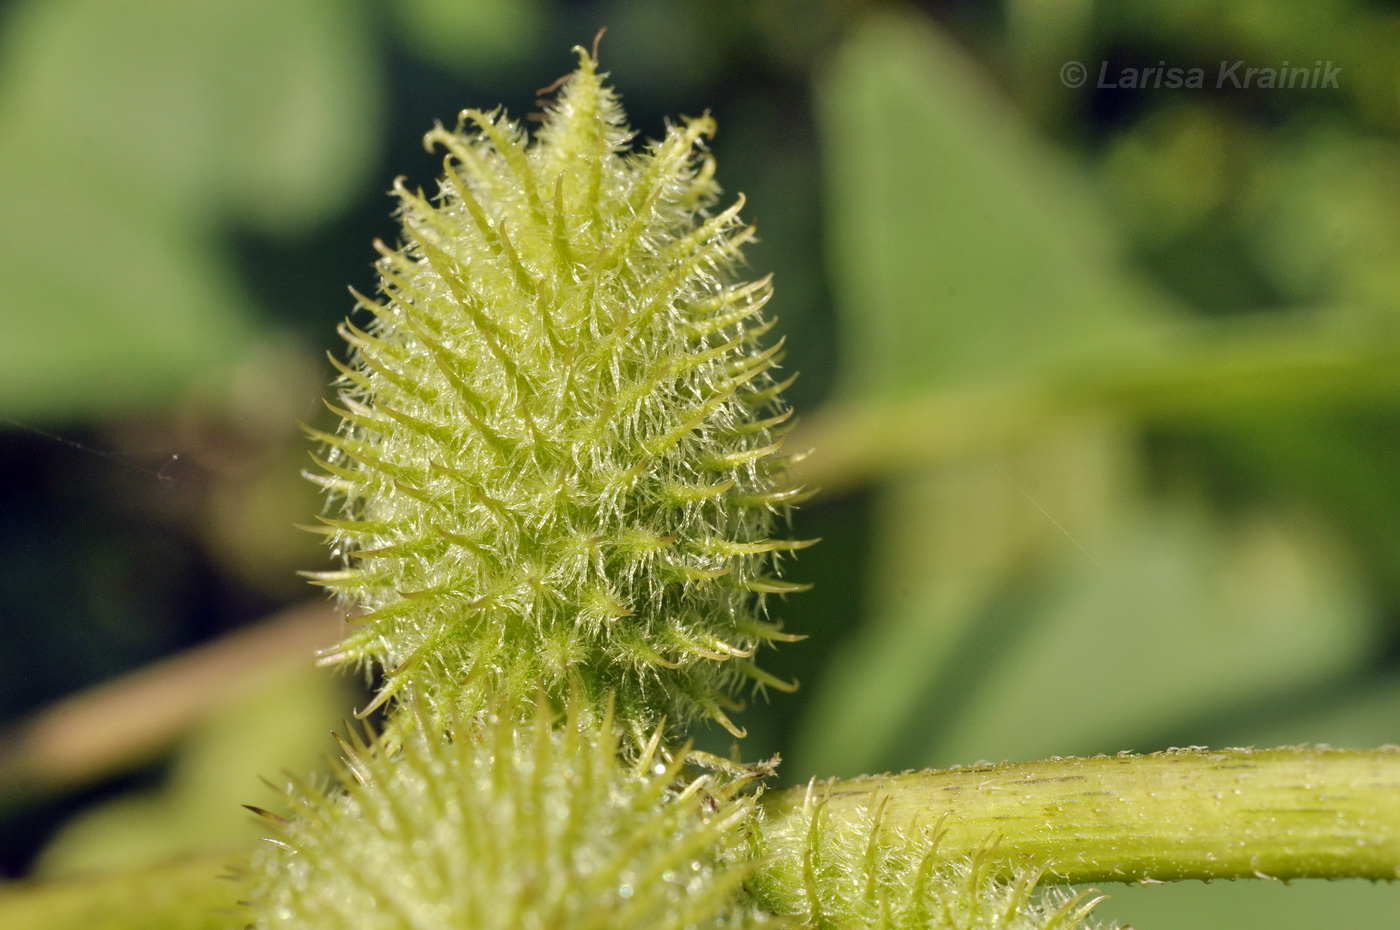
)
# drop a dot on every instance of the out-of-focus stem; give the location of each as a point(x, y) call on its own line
point(1208, 374)
point(123, 722)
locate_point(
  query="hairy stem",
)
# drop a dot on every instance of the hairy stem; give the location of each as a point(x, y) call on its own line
point(1181, 814)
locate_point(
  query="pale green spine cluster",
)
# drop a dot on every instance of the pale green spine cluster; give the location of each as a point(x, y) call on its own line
point(872, 875)
point(504, 825)
point(555, 489)
point(559, 464)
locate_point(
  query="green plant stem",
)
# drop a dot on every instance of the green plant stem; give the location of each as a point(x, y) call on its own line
point(1181, 814)
point(1207, 373)
point(1280, 813)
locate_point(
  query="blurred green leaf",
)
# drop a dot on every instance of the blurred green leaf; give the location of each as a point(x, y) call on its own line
point(950, 551)
point(1177, 617)
point(106, 312)
point(132, 134)
point(1344, 464)
point(1359, 37)
point(473, 38)
point(960, 248)
point(1173, 172)
point(1322, 222)
point(1033, 600)
point(256, 110)
point(959, 256)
